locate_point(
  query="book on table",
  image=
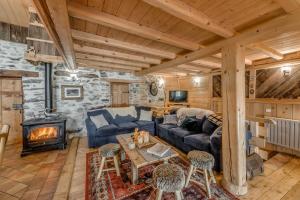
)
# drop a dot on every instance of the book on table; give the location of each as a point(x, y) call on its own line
point(159, 149)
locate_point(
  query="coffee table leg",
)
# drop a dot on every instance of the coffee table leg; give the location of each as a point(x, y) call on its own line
point(135, 174)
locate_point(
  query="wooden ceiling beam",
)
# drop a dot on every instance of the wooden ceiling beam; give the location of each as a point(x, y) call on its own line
point(194, 68)
point(93, 15)
point(255, 34)
point(194, 16)
point(88, 37)
point(115, 54)
point(290, 6)
point(54, 15)
point(191, 15)
point(110, 60)
point(209, 62)
point(267, 50)
point(101, 68)
point(105, 64)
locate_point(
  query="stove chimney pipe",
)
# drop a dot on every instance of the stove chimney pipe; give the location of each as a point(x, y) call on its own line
point(48, 88)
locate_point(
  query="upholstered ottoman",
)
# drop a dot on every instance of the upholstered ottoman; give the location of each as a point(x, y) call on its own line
point(168, 178)
point(109, 151)
point(203, 161)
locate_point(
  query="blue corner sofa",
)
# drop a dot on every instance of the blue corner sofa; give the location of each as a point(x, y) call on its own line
point(207, 138)
point(118, 125)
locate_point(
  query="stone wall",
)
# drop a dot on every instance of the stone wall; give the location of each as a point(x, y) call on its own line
point(96, 87)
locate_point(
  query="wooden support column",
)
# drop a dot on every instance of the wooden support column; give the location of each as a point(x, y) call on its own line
point(233, 137)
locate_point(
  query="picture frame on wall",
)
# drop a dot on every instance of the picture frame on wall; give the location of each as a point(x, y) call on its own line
point(71, 92)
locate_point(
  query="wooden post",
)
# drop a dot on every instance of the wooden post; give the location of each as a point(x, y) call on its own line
point(233, 137)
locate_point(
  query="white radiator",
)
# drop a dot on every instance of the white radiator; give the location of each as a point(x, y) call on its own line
point(284, 133)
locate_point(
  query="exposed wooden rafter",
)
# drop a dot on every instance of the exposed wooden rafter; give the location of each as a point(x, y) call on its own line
point(88, 37)
point(255, 34)
point(267, 50)
point(290, 6)
point(109, 65)
point(54, 16)
point(115, 54)
point(192, 15)
point(111, 60)
point(93, 15)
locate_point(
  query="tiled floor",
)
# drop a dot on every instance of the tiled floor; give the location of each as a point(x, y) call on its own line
point(31, 177)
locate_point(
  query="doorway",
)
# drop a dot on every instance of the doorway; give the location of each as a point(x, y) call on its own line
point(11, 111)
point(120, 94)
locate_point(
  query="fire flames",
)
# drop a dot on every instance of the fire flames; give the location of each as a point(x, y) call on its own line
point(43, 133)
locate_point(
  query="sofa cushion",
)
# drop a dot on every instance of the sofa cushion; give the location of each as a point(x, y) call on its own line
point(123, 119)
point(128, 126)
point(103, 112)
point(180, 132)
point(163, 129)
point(199, 141)
point(146, 115)
point(208, 127)
point(99, 121)
point(108, 130)
point(142, 123)
point(122, 111)
point(170, 119)
point(192, 124)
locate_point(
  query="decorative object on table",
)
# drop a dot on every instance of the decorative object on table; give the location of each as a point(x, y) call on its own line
point(111, 185)
point(159, 149)
point(205, 162)
point(140, 139)
point(153, 88)
point(131, 145)
point(254, 165)
point(71, 92)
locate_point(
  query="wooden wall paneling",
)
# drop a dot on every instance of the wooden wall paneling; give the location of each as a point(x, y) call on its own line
point(258, 109)
point(270, 110)
point(296, 112)
point(13, 33)
point(285, 111)
point(120, 94)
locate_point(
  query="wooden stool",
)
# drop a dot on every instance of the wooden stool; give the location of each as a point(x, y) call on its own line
point(3, 139)
point(109, 151)
point(168, 178)
point(203, 162)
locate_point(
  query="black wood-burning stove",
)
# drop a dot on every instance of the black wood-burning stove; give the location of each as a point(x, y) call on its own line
point(41, 134)
point(44, 134)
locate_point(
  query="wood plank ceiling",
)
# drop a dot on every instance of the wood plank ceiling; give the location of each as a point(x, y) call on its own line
point(139, 34)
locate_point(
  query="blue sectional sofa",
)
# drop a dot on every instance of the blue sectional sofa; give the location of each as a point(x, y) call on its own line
point(206, 138)
point(117, 125)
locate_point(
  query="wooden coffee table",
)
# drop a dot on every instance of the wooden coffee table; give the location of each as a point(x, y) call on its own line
point(139, 157)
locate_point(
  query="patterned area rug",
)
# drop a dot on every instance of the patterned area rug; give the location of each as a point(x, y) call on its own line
point(112, 187)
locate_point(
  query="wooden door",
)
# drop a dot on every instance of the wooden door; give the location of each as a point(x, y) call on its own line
point(120, 94)
point(11, 113)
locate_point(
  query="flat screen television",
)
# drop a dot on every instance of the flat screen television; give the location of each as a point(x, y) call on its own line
point(178, 96)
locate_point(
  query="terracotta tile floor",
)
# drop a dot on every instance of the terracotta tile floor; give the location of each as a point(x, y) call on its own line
point(33, 177)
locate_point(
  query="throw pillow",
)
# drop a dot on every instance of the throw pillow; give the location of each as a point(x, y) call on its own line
point(99, 121)
point(170, 119)
point(123, 119)
point(192, 124)
point(146, 115)
point(216, 119)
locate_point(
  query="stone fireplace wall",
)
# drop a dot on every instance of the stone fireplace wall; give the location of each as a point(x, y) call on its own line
point(96, 87)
